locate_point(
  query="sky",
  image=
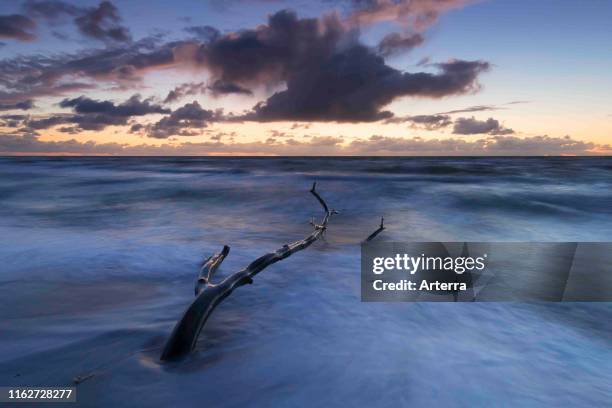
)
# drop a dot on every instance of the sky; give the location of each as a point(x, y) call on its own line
point(317, 77)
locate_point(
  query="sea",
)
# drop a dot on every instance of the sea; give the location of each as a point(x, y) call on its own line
point(98, 257)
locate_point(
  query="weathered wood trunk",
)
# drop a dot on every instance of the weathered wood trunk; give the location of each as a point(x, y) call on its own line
point(186, 332)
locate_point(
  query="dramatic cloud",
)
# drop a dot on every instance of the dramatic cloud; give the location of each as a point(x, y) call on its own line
point(318, 69)
point(101, 23)
point(17, 27)
point(24, 105)
point(320, 145)
point(328, 74)
point(354, 86)
point(270, 53)
point(187, 120)
point(472, 126)
point(395, 43)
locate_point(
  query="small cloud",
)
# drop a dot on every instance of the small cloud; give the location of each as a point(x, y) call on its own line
point(91, 114)
point(17, 27)
point(188, 120)
point(102, 22)
point(298, 125)
point(428, 122)
point(220, 87)
point(396, 43)
point(472, 126)
point(185, 89)
point(477, 108)
point(423, 62)
point(24, 105)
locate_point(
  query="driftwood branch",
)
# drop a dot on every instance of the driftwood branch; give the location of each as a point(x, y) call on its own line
point(208, 295)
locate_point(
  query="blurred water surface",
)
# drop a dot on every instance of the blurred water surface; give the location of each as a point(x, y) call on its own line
point(98, 257)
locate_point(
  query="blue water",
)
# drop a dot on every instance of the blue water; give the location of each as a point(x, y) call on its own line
point(98, 258)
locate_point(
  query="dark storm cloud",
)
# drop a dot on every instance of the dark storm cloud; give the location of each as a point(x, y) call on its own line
point(188, 120)
point(17, 27)
point(355, 85)
point(395, 43)
point(329, 75)
point(271, 52)
point(23, 105)
point(472, 126)
point(182, 90)
point(102, 22)
point(220, 87)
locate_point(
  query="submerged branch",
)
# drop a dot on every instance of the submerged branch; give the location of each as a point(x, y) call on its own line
point(185, 334)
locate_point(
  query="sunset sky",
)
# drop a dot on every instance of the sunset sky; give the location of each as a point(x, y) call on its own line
point(327, 77)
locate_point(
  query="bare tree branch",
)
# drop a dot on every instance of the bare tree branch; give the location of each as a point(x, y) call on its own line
point(185, 334)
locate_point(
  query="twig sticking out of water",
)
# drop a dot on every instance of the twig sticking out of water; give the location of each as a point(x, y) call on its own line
point(378, 231)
